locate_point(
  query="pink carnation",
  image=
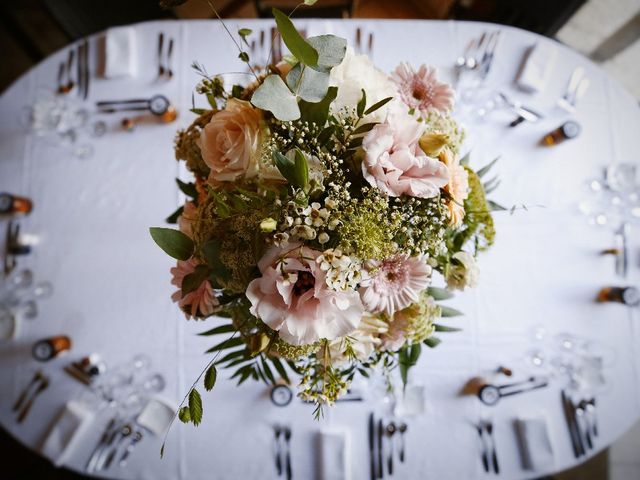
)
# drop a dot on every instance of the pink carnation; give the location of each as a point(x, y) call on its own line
point(293, 298)
point(199, 303)
point(395, 163)
point(395, 283)
point(422, 90)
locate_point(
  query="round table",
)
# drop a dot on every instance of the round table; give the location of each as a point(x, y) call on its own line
point(112, 291)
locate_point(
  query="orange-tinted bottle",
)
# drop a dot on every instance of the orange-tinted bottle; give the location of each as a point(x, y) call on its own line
point(566, 131)
point(626, 295)
point(12, 204)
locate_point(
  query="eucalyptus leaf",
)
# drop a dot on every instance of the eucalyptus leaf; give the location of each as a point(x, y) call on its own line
point(210, 377)
point(297, 45)
point(174, 243)
point(274, 96)
point(318, 112)
point(195, 407)
point(331, 51)
point(308, 84)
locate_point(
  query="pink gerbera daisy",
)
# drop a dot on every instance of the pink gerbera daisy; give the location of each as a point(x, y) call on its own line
point(395, 283)
point(199, 303)
point(422, 90)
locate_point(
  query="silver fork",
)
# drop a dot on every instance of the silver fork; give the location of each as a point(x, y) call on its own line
point(576, 88)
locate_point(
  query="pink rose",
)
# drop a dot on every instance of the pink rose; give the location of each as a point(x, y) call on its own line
point(394, 161)
point(293, 298)
point(230, 141)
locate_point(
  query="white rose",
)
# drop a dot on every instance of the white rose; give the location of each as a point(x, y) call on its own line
point(357, 73)
point(463, 272)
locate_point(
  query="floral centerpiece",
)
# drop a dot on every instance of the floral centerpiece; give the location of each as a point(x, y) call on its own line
point(327, 195)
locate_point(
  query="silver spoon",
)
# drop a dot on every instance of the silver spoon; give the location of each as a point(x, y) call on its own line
point(402, 428)
point(390, 432)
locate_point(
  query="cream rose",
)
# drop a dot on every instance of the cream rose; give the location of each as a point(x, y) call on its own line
point(230, 141)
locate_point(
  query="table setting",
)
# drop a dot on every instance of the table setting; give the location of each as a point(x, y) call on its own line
point(476, 319)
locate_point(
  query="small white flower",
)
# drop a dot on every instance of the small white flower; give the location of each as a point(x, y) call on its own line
point(463, 271)
point(323, 238)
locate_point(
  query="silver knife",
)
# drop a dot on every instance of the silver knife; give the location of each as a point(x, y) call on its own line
point(93, 459)
point(372, 445)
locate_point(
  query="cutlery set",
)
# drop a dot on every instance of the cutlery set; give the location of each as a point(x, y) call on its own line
point(165, 69)
point(118, 440)
point(582, 422)
point(489, 455)
point(478, 55)
point(38, 384)
point(359, 44)
point(283, 450)
point(383, 446)
point(576, 88)
point(67, 81)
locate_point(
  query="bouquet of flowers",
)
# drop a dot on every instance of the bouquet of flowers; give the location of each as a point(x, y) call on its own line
point(327, 195)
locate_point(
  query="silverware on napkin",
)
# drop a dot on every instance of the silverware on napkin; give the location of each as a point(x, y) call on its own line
point(42, 386)
point(37, 377)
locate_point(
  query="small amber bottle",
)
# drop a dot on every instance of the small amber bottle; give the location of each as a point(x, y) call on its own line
point(49, 348)
point(12, 204)
point(566, 131)
point(626, 295)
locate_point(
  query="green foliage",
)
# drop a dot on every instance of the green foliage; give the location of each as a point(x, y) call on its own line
point(439, 293)
point(195, 407)
point(444, 328)
point(184, 415)
point(210, 377)
point(449, 312)
point(174, 243)
point(193, 281)
point(297, 45)
point(432, 342)
point(318, 112)
point(173, 218)
point(407, 358)
point(296, 172)
point(274, 96)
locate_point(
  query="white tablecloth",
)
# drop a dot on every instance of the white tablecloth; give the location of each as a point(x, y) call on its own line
point(112, 283)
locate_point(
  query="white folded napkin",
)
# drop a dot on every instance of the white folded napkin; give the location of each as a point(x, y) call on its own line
point(537, 67)
point(120, 52)
point(335, 455)
point(156, 416)
point(535, 443)
point(67, 431)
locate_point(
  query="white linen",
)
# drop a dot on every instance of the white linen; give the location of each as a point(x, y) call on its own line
point(67, 432)
point(112, 290)
point(335, 454)
point(121, 59)
point(535, 445)
point(538, 67)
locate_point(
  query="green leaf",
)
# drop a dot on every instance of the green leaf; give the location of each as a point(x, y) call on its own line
point(318, 112)
point(235, 354)
point(483, 171)
point(414, 353)
point(192, 282)
point(297, 45)
point(432, 342)
point(244, 32)
point(244, 56)
point(444, 328)
point(237, 91)
point(285, 166)
point(495, 207)
point(439, 293)
point(362, 104)
point(197, 111)
point(308, 2)
point(465, 160)
point(377, 105)
point(331, 51)
point(301, 170)
point(210, 377)
point(449, 312)
point(280, 369)
point(195, 407)
point(173, 218)
point(174, 243)
point(274, 96)
point(184, 415)
point(211, 253)
point(325, 135)
point(229, 343)
point(267, 370)
point(308, 84)
point(189, 189)
point(364, 128)
point(218, 330)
